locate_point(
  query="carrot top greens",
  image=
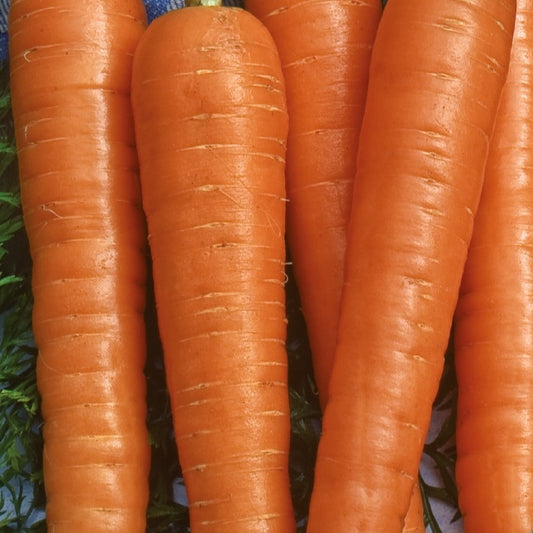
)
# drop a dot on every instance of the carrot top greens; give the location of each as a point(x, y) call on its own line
point(191, 3)
point(21, 492)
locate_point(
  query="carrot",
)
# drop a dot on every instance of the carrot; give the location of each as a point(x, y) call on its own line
point(70, 65)
point(414, 518)
point(326, 76)
point(436, 75)
point(211, 126)
point(493, 334)
point(324, 48)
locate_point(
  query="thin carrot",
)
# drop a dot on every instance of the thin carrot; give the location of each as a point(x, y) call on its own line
point(436, 75)
point(493, 332)
point(70, 64)
point(211, 126)
point(324, 48)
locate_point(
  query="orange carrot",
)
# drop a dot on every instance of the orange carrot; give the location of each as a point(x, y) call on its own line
point(326, 76)
point(414, 518)
point(325, 51)
point(211, 126)
point(493, 333)
point(70, 65)
point(436, 75)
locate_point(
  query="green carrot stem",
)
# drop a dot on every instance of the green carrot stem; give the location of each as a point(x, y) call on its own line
point(191, 3)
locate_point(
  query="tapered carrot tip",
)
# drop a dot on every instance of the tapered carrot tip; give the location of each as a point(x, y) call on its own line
point(325, 48)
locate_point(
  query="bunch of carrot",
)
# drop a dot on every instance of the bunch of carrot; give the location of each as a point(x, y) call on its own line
point(436, 76)
point(385, 131)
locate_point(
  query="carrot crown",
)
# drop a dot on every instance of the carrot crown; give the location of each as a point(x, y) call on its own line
point(191, 3)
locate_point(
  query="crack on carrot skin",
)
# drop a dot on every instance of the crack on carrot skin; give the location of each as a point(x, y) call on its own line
point(276, 281)
point(207, 503)
point(257, 518)
point(424, 327)
point(267, 107)
point(325, 56)
point(418, 281)
point(324, 131)
point(335, 183)
point(422, 359)
point(193, 435)
point(46, 207)
point(297, 5)
point(210, 334)
point(202, 467)
point(237, 73)
point(224, 384)
point(433, 211)
point(234, 309)
point(492, 64)
point(412, 426)
point(403, 473)
point(453, 24)
point(266, 86)
point(240, 470)
point(57, 244)
point(91, 437)
point(220, 146)
point(226, 245)
point(209, 146)
point(39, 142)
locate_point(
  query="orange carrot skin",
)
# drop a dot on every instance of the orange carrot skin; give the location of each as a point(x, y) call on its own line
point(70, 65)
point(211, 126)
point(435, 80)
point(493, 334)
point(326, 76)
point(414, 519)
point(325, 64)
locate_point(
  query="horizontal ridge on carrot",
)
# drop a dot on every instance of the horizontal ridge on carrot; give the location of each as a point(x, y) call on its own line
point(493, 334)
point(436, 75)
point(70, 67)
point(211, 127)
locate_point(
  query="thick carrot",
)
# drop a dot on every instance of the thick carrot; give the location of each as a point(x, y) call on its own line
point(70, 64)
point(493, 333)
point(211, 124)
point(436, 75)
point(326, 77)
point(325, 51)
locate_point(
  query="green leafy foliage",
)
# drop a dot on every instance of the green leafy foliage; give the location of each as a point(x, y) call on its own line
point(441, 450)
point(22, 493)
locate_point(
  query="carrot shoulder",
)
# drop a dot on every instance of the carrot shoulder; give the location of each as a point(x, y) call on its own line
point(211, 124)
point(325, 51)
point(435, 80)
point(70, 65)
point(493, 333)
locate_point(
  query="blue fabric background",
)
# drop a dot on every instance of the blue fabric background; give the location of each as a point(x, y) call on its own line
point(154, 8)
